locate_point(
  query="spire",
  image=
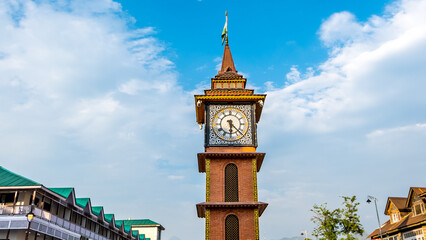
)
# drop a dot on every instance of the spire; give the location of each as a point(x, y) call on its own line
point(227, 61)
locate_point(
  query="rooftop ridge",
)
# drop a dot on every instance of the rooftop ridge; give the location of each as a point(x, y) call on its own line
point(63, 191)
point(8, 178)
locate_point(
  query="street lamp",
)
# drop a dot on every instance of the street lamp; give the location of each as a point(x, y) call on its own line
point(30, 217)
point(304, 232)
point(377, 212)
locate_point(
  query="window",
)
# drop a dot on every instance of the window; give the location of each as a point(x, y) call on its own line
point(83, 222)
point(413, 233)
point(61, 211)
point(395, 217)
point(73, 217)
point(232, 231)
point(392, 238)
point(231, 183)
point(7, 198)
point(67, 215)
point(54, 208)
point(47, 204)
point(78, 219)
point(418, 208)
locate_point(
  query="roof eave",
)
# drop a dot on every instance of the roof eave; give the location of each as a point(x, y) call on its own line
point(21, 187)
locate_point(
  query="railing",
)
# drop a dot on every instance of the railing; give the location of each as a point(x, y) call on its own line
point(14, 210)
point(23, 210)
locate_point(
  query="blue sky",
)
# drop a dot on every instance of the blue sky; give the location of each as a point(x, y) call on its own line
point(263, 35)
point(99, 95)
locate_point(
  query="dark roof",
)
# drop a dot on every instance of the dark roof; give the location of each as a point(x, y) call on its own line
point(9, 179)
point(228, 75)
point(419, 190)
point(399, 203)
point(406, 222)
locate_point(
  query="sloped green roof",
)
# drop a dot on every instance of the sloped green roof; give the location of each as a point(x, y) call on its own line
point(126, 227)
point(8, 179)
point(97, 210)
point(82, 202)
point(64, 192)
point(108, 217)
point(118, 223)
point(139, 222)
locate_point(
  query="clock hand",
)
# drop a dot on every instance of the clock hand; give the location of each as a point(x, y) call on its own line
point(237, 129)
point(230, 125)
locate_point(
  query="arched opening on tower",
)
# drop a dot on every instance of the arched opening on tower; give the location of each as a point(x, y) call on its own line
point(232, 228)
point(231, 183)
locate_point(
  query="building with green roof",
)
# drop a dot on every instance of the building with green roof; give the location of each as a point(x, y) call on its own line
point(58, 214)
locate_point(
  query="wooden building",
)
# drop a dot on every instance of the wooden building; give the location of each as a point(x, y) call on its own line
point(407, 217)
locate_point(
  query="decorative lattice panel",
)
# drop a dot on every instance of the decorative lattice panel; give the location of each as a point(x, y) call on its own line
point(212, 139)
point(232, 230)
point(231, 183)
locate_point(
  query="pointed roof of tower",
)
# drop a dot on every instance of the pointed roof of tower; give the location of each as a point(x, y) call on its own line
point(228, 65)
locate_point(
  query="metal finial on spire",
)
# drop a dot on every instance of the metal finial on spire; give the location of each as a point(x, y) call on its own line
point(225, 29)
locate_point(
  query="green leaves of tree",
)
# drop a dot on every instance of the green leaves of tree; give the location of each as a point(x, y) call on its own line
point(341, 221)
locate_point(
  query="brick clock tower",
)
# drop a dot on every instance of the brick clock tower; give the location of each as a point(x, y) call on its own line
point(230, 113)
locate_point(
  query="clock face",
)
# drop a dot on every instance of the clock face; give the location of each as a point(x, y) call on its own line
point(230, 124)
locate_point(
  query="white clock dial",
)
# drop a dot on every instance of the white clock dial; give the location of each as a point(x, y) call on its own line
point(230, 124)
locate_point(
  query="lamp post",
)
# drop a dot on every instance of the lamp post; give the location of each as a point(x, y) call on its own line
point(304, 233)
point(377, 213)
point(30, 217)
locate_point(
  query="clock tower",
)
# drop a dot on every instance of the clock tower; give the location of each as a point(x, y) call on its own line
point(230, 114)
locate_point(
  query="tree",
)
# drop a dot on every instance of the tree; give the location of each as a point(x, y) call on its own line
point(332, 223)
point(349, 222)
point(327, 222)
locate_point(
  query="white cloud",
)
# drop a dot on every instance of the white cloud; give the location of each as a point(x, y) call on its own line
point(340, 28)
point(295, 76)
point(348, 126)
point(174, 177)
point(96, 105)
point(367, 72)
point(410, 128)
